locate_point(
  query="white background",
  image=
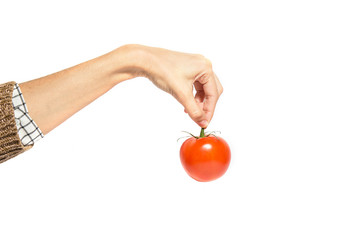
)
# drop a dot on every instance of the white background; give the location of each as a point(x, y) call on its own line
point(112, 171)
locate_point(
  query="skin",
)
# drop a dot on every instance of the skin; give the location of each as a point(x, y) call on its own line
point(54, 98)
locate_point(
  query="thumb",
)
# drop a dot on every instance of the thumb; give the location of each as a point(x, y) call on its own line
point(195, 112)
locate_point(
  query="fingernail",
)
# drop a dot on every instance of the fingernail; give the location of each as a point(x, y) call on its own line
point(203, 123)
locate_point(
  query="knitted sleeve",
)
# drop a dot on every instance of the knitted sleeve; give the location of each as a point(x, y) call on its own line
point(10, 143)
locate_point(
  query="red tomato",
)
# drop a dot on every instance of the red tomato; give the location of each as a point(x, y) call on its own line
point(206, 158)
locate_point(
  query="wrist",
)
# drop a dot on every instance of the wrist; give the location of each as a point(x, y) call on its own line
point(128, 62)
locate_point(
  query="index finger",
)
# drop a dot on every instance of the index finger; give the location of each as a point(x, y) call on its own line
point(210, 88)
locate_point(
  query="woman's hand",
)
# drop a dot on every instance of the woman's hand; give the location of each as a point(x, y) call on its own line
point(54, 98)
point(177, 73)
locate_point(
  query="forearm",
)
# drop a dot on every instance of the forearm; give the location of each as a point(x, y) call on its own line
point(53, 99)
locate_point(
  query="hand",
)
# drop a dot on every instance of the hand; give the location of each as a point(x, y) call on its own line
point(177, 73)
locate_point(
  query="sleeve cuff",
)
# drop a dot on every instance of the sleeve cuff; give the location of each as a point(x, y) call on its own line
point(28, 131)
point(10, 143)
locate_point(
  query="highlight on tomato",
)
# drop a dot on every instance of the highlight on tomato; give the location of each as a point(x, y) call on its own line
point(206, 157)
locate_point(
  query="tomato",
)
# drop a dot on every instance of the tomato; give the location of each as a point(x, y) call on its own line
point(205, 158)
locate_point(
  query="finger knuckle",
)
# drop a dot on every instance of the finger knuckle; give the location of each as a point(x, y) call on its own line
point(205, 62)
point(220, 90)
point(196, 114)
point(208, 64)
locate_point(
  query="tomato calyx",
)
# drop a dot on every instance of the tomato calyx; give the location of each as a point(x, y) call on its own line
point(202, 134)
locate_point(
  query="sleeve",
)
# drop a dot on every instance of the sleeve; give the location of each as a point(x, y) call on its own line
point(10, 142)
point(28, 131)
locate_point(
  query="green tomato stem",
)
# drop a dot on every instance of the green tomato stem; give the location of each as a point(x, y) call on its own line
point(202, 133)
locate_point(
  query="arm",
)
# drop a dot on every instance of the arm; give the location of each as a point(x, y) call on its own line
point(53, 99)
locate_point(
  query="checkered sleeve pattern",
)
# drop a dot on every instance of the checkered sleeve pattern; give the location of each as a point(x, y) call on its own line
point(28, 131)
